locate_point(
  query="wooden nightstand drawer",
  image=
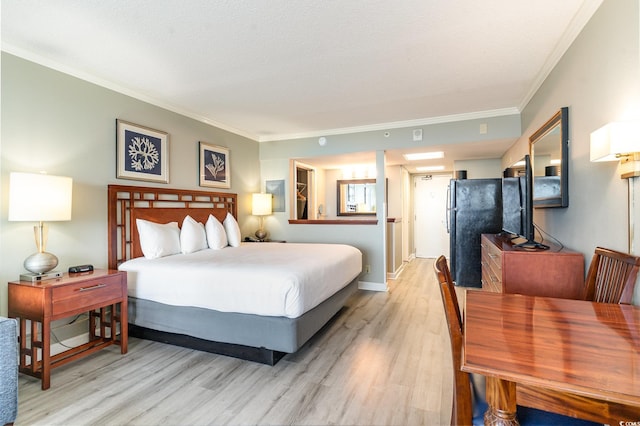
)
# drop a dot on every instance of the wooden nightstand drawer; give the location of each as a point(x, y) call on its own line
point(96, 292)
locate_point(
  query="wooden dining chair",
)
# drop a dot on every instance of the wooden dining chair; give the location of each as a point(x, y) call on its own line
point(469, 401)
point(611, 277)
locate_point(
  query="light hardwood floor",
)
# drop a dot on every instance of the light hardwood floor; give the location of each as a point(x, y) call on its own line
point(384, 360)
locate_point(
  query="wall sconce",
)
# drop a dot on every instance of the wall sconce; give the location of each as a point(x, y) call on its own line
point(39, 198)
point(261, 206)
point(618, 141)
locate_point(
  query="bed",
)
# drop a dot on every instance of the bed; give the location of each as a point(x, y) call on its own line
point(256, 301)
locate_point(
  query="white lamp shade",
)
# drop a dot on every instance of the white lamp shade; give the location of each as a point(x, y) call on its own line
point(614, 139)
point(39, 197)
point(261, 204)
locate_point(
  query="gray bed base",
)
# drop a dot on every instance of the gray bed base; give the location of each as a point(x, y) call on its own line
point(256, 338)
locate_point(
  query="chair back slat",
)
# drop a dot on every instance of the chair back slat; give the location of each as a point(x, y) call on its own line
point(462, 411)
point(612, 276)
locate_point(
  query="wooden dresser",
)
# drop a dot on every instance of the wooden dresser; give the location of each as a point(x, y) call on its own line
point(557, 272)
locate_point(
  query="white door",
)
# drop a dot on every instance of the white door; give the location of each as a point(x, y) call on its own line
point(430, 209)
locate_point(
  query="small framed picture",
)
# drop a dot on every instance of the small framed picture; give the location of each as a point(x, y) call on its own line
point(215, 166)
point(142, 153)
point(276, 187)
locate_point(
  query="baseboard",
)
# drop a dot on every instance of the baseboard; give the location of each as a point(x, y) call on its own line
point(396, 273)
point(365, 285)
point(59, 347)
point(64, 334)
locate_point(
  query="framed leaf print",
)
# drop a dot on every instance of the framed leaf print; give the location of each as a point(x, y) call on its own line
point(215, 166)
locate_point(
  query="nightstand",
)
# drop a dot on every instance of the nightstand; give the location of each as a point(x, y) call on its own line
point(72, 294)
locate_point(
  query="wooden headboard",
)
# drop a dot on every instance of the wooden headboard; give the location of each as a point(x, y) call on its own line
point(161, 205)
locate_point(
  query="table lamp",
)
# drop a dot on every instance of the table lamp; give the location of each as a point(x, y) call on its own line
point(261, 206)
point(39, 198)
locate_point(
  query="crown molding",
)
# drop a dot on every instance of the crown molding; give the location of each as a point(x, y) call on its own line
point(396, 124)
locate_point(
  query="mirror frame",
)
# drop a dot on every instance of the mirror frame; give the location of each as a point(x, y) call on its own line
point(339, 200)
point(561, 118)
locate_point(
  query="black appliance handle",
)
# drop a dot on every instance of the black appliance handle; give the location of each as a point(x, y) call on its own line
point(448, 208)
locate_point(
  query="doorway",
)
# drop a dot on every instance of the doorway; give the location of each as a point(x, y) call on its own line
point(431, 236)
point(304, 202)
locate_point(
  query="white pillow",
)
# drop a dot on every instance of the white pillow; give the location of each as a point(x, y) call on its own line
point(233, 230)
point(157, 239)
point(192, 236)
point(216, 235)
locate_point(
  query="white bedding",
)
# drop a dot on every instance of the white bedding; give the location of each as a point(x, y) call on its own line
point(272, 279)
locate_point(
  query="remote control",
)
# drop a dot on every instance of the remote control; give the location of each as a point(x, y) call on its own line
point(80, 268)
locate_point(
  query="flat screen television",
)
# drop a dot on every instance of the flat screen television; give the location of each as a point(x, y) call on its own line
point(517, 207)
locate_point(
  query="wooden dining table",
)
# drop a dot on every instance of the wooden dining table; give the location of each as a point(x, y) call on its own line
point(573, 357)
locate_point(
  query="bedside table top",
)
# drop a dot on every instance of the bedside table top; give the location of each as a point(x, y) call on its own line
point(70, 278)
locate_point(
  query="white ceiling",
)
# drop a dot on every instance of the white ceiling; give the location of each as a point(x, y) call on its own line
point(280, 69)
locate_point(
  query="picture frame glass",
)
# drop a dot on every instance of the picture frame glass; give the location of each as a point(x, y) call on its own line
point(276, 188)
point(142, 153)
point(215, 166)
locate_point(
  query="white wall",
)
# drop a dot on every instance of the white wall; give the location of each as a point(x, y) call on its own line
point(274, 164)
point(66, 126)
point(598, 78)
point(481, 169)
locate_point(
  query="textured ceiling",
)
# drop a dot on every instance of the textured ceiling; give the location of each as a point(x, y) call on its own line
point(281, 69)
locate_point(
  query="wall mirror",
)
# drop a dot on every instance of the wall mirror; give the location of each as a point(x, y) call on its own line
point(549, 147)
point(356, 197)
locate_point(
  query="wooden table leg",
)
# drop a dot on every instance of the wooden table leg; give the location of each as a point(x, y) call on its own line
point(23, 343)
point(124, 326)
point(103, 323)
point(92, 324)
point(501, 397)
point(34, 348)
point(46, 354)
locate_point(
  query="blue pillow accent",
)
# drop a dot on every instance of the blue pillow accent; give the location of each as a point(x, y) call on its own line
point(532, 416)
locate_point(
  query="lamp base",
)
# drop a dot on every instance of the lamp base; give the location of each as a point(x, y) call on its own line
point(261, 234)
point(34, 278)
point(40, 262)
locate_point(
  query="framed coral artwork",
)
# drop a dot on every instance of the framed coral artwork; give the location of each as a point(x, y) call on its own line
point(215, 166)
point(142, 153)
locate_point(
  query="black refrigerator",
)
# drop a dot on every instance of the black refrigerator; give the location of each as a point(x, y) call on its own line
point(475, 208)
